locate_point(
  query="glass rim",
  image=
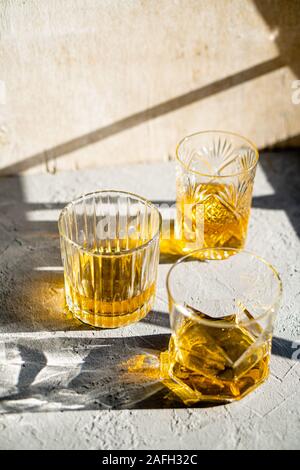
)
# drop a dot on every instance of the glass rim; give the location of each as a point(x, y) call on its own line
point(233, 134)
point(103, 191)
point(219, 323)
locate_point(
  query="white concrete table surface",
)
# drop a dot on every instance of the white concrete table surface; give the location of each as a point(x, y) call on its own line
point(31, 314)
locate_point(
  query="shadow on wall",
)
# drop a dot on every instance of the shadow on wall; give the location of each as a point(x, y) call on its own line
point(283, 19)
point(143, 116)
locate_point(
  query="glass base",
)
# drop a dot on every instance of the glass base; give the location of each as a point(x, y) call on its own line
point(191, 387)
point(111, 320)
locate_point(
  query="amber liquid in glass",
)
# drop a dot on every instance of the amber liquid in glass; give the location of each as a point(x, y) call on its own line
point(214, 364)
point(111, 291)
point(224, 213)
point(207, 363)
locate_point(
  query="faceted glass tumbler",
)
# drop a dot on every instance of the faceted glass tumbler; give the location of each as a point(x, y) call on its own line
point(222, 314)
point(214, 182)
point(110, 252)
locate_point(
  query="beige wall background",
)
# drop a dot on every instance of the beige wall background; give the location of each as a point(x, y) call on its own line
point(86, 83)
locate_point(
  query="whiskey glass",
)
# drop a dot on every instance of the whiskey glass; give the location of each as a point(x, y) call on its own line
point(110, 251)
point(222, 311)
point(214, 183)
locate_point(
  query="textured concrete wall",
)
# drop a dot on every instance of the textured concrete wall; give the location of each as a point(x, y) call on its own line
point(97, 82)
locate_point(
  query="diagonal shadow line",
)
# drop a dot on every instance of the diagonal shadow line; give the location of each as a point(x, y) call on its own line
point(146, 115)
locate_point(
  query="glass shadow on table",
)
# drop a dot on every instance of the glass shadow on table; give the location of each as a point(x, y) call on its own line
point(73, 372)
point(66, 373)
point(56, 374)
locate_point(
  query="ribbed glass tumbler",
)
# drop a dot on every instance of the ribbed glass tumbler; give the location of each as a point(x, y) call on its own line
point(215, 175)
point(222, 314)
point(110, 252)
